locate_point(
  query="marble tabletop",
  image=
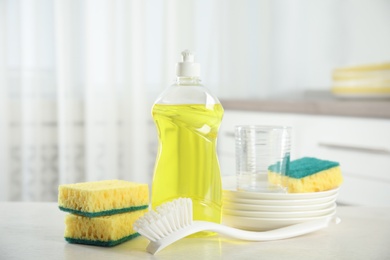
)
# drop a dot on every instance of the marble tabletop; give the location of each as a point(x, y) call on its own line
point(35, 231)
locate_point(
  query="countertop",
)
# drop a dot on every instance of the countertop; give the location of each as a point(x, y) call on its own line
point(35, 231)
point(320, 103)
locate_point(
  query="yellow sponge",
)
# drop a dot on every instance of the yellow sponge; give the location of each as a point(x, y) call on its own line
point(101, 231)
point(310, 175)
point(102, 198)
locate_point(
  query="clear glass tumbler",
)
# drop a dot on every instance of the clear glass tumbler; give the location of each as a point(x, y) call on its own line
point(262, 157)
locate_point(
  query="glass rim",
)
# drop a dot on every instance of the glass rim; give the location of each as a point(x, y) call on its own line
point(263, 127)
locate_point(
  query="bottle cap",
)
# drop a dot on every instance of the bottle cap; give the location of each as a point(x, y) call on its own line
point(187, 67)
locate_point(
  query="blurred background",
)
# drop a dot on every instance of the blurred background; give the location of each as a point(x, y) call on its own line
point(78, 78)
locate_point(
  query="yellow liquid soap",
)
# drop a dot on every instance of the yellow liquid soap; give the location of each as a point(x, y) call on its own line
point(187, 163)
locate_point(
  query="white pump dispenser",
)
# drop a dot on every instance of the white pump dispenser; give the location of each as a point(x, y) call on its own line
point(187, 118)
point(187, 68)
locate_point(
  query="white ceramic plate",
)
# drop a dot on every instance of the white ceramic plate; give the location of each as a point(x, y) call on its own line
point(278, 214)
point(273, 208)
point(264, 224)
point(277, 196)
point(290, 202)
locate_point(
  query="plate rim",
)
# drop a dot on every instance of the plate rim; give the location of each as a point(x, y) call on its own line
point(332, 213)
point(332, 207)
point(284, 207)
point(270, 202)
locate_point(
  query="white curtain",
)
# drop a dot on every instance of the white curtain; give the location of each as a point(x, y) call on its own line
point(78, 77)
point(73, 104)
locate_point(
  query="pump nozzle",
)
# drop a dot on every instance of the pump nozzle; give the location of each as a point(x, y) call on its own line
point(187, 56)
point(187, 67)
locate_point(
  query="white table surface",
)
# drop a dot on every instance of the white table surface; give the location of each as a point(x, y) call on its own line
point(35, 231)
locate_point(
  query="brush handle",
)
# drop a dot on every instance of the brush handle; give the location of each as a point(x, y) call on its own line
point(281, 233)
point(276, 234)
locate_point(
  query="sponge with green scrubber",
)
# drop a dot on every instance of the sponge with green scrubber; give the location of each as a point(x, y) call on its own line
point(310, 174)
point(102, 231)
point(102, 198)
point(102, 212)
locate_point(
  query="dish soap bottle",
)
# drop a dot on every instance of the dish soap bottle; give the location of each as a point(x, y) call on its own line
point(187, 117)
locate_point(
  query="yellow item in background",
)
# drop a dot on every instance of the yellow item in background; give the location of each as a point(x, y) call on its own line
point(371, 80)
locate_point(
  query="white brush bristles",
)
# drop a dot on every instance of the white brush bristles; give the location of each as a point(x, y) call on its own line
point(173, 221)
point(168, 218)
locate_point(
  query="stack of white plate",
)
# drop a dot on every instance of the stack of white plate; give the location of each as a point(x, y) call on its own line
point(267, 211)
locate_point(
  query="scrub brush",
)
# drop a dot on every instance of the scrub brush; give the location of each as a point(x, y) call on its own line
point(173, 221)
